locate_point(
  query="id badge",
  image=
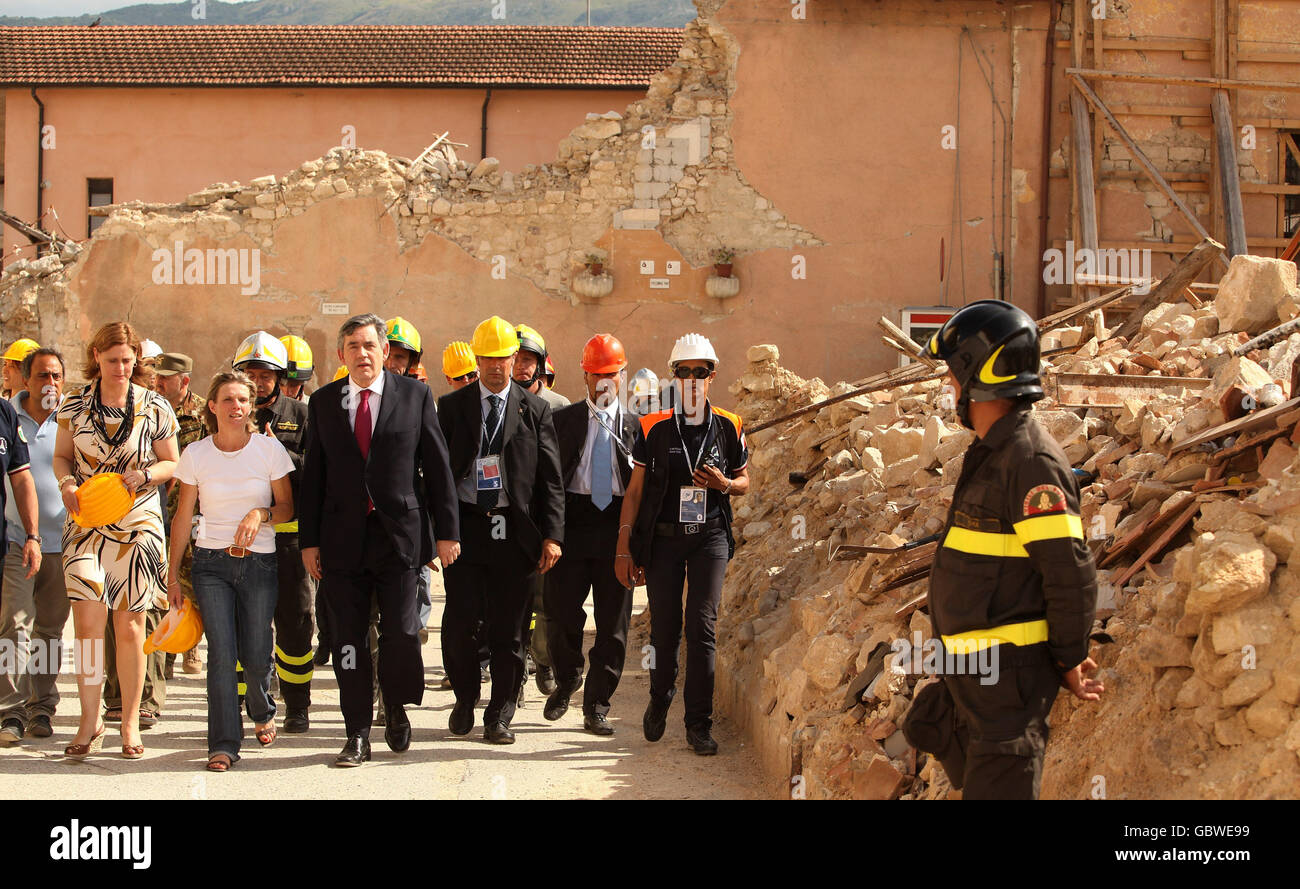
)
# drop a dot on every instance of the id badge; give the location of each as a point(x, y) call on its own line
point(691, 506)
point(487, 471)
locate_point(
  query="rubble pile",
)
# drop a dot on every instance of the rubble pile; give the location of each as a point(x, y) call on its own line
point(1193, 528)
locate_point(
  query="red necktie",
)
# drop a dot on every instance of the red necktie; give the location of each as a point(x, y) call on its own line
point(362, 431)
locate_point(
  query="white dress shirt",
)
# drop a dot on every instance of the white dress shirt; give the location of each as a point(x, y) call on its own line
point(467, 490)
point(581, 481)
point(376, 396)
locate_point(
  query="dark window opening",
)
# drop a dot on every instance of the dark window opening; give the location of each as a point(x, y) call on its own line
point(99, 193)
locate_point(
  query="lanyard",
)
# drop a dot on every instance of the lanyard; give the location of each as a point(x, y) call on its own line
point(600, 418)
point(501, 420)
point(692, 465)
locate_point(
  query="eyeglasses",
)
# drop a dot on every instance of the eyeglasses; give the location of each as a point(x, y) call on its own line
point(685, 373)
point(467, 378)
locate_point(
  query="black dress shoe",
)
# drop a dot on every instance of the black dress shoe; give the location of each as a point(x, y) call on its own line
point(462, 718)
point(556, 705)
point(545, 679)
point(656, 719)
point(701, 741)
point(597, 724)
point(497, 733)
point(354, 752)
point(296, 722)
point(397, 729)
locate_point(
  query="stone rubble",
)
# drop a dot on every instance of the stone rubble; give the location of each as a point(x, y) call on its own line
point(1200, 651)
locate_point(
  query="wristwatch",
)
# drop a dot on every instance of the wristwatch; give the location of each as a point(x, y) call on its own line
point(148, 480)
point(35, 537)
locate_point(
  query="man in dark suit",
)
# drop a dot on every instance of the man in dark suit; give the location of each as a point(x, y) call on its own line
point(506, 468)
point(596, 439)
point(376, 493)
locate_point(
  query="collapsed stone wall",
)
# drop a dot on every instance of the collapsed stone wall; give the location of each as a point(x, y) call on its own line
point(1200, 651)
point(664, 163)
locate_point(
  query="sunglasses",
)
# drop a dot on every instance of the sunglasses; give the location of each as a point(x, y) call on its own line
point(468, 378)
point(685, 373)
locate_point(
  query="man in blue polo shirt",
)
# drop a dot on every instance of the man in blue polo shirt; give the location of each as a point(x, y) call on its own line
point(34, 606)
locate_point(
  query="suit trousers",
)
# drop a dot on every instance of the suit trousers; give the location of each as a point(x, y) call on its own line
point(492, 582)
point(567, 585)
point(347, 595)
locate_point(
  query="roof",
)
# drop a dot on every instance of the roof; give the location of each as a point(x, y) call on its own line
point(335, 55)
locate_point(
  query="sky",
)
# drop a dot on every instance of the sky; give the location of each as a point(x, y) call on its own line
point(71, 7)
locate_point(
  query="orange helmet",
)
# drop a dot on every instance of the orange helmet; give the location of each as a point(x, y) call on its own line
point(178, 632)
point(603, 354)
point(103, 500)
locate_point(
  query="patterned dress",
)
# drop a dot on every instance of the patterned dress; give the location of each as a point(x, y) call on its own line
point(123, 565)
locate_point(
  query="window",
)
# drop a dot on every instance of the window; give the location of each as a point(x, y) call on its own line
point(99, 193)
point(922, 322)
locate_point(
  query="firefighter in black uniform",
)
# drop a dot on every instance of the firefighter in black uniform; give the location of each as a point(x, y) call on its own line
point(675, 527)
point(1013, 589)
point(265, 360)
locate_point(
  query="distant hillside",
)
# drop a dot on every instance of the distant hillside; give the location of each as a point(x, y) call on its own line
point(637, 13)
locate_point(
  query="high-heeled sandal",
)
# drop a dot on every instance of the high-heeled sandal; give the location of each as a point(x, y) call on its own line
point(81, 751)
point(266, 735)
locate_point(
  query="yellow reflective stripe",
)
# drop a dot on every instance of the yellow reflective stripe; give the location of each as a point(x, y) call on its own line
point(984, 543)
point(1049, 527)
point(1027, 633)
point(295, 678)
point(295, 659)
point(287, 527)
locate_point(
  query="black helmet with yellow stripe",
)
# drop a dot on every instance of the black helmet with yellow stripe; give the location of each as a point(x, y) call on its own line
point(991, 348)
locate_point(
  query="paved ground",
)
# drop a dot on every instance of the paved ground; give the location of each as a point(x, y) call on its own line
point(549, 760)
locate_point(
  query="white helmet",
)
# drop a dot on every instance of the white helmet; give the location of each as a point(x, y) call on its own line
point(150, 349)
point(262, 349)
point(693, 347)
point(643, 392)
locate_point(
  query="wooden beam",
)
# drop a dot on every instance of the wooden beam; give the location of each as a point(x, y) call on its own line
point(1220, 83)
point(1172, 285)
point(1225, 142)
point(1140, 156)
point(1085, 185)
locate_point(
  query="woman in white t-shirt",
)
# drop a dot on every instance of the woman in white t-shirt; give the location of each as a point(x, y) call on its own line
point(241, 478)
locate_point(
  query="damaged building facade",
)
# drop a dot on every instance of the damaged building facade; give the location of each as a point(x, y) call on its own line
point(860, 159)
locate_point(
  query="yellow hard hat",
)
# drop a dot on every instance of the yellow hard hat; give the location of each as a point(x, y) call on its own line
point(104, 500)
point(341, 372)
point(300, 358)
point(531, 340)
point(403, 333)
point(20, 349)
point(494, 338)
point(178, 632)
point(458, 359)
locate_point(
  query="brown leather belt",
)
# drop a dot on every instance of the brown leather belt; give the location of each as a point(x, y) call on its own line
point(237, 551)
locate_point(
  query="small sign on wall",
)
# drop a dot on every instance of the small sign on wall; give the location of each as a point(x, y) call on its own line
point(647, 266)
point(334, 308)
point(659, 283)
point(673, 267)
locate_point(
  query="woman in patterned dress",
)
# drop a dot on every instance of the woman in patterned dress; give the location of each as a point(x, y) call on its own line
point(114, 424)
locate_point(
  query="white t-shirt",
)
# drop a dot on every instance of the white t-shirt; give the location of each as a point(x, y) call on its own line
point(232, 483)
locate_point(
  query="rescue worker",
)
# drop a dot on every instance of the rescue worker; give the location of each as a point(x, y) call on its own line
point(676, 526)
point(13, 366)
point(172, 381)
point(404, 349)
point(550, 373)
point(530, 372)
point(458, 365)
point(643, 392)
point(1013, 589)
point(299, 368)
point(595, 438)
point(265, 360)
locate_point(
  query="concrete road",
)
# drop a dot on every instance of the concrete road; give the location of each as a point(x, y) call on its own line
point(549, 760)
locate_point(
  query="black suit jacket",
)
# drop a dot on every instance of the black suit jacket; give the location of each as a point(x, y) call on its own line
point(406, 476)
point(571, 430)
point(529, 455)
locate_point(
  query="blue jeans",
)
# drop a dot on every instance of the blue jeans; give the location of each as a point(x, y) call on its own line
point(237, 600)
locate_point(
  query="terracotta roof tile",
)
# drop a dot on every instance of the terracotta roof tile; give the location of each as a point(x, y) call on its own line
point(252, 55)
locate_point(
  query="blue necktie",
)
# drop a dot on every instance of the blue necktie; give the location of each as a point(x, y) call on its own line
point(602, 483)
